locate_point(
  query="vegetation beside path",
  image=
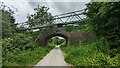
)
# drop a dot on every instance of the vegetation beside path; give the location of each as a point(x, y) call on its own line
point(19, 47)
point(22, 50)
point(93, 53)
point(103, 20)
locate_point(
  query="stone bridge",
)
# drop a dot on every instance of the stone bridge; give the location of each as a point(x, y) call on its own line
point(71, 38)
point(59, 21)
point(57, 28)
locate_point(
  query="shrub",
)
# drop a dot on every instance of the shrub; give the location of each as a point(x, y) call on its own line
point(22, 50)
point(93, 53)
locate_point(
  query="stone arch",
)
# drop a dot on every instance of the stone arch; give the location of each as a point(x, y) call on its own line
point(70, 37)
point(56, 34)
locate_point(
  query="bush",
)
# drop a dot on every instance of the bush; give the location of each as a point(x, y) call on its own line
point(22, 50)
point(93, 53)
point(104, 18)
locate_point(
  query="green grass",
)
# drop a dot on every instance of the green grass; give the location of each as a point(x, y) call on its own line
point(22, 50)
point(90, 54)
point(0, 56)
point(94, 53)
point(81, 27)
point(28, 58)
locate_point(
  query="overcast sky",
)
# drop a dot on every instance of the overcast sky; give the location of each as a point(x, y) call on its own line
point(55, 8)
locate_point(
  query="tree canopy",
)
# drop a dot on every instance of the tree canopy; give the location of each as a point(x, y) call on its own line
point(105, 20)
point(40, 17)
point(7, 20)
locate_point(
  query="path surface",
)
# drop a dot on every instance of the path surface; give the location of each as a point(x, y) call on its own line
point(54, 58)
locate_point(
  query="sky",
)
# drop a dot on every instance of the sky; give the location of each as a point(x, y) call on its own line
point(26, 6)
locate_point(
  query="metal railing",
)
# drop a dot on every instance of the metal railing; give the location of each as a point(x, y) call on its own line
point(62, 19)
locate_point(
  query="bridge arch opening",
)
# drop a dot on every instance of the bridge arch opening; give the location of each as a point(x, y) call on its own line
point(58, 35)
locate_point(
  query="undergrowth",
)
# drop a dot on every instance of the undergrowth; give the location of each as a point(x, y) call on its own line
point(22, 50)
point(93, 53)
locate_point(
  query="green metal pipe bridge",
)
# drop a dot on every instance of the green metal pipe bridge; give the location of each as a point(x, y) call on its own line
point(60, 20)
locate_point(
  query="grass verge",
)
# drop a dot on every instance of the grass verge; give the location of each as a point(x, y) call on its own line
point(90, 54)
point(22, 50)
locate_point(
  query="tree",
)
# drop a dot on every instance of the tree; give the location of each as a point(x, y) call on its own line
point(40, 17)
point(7, 20)
point(105, 20)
